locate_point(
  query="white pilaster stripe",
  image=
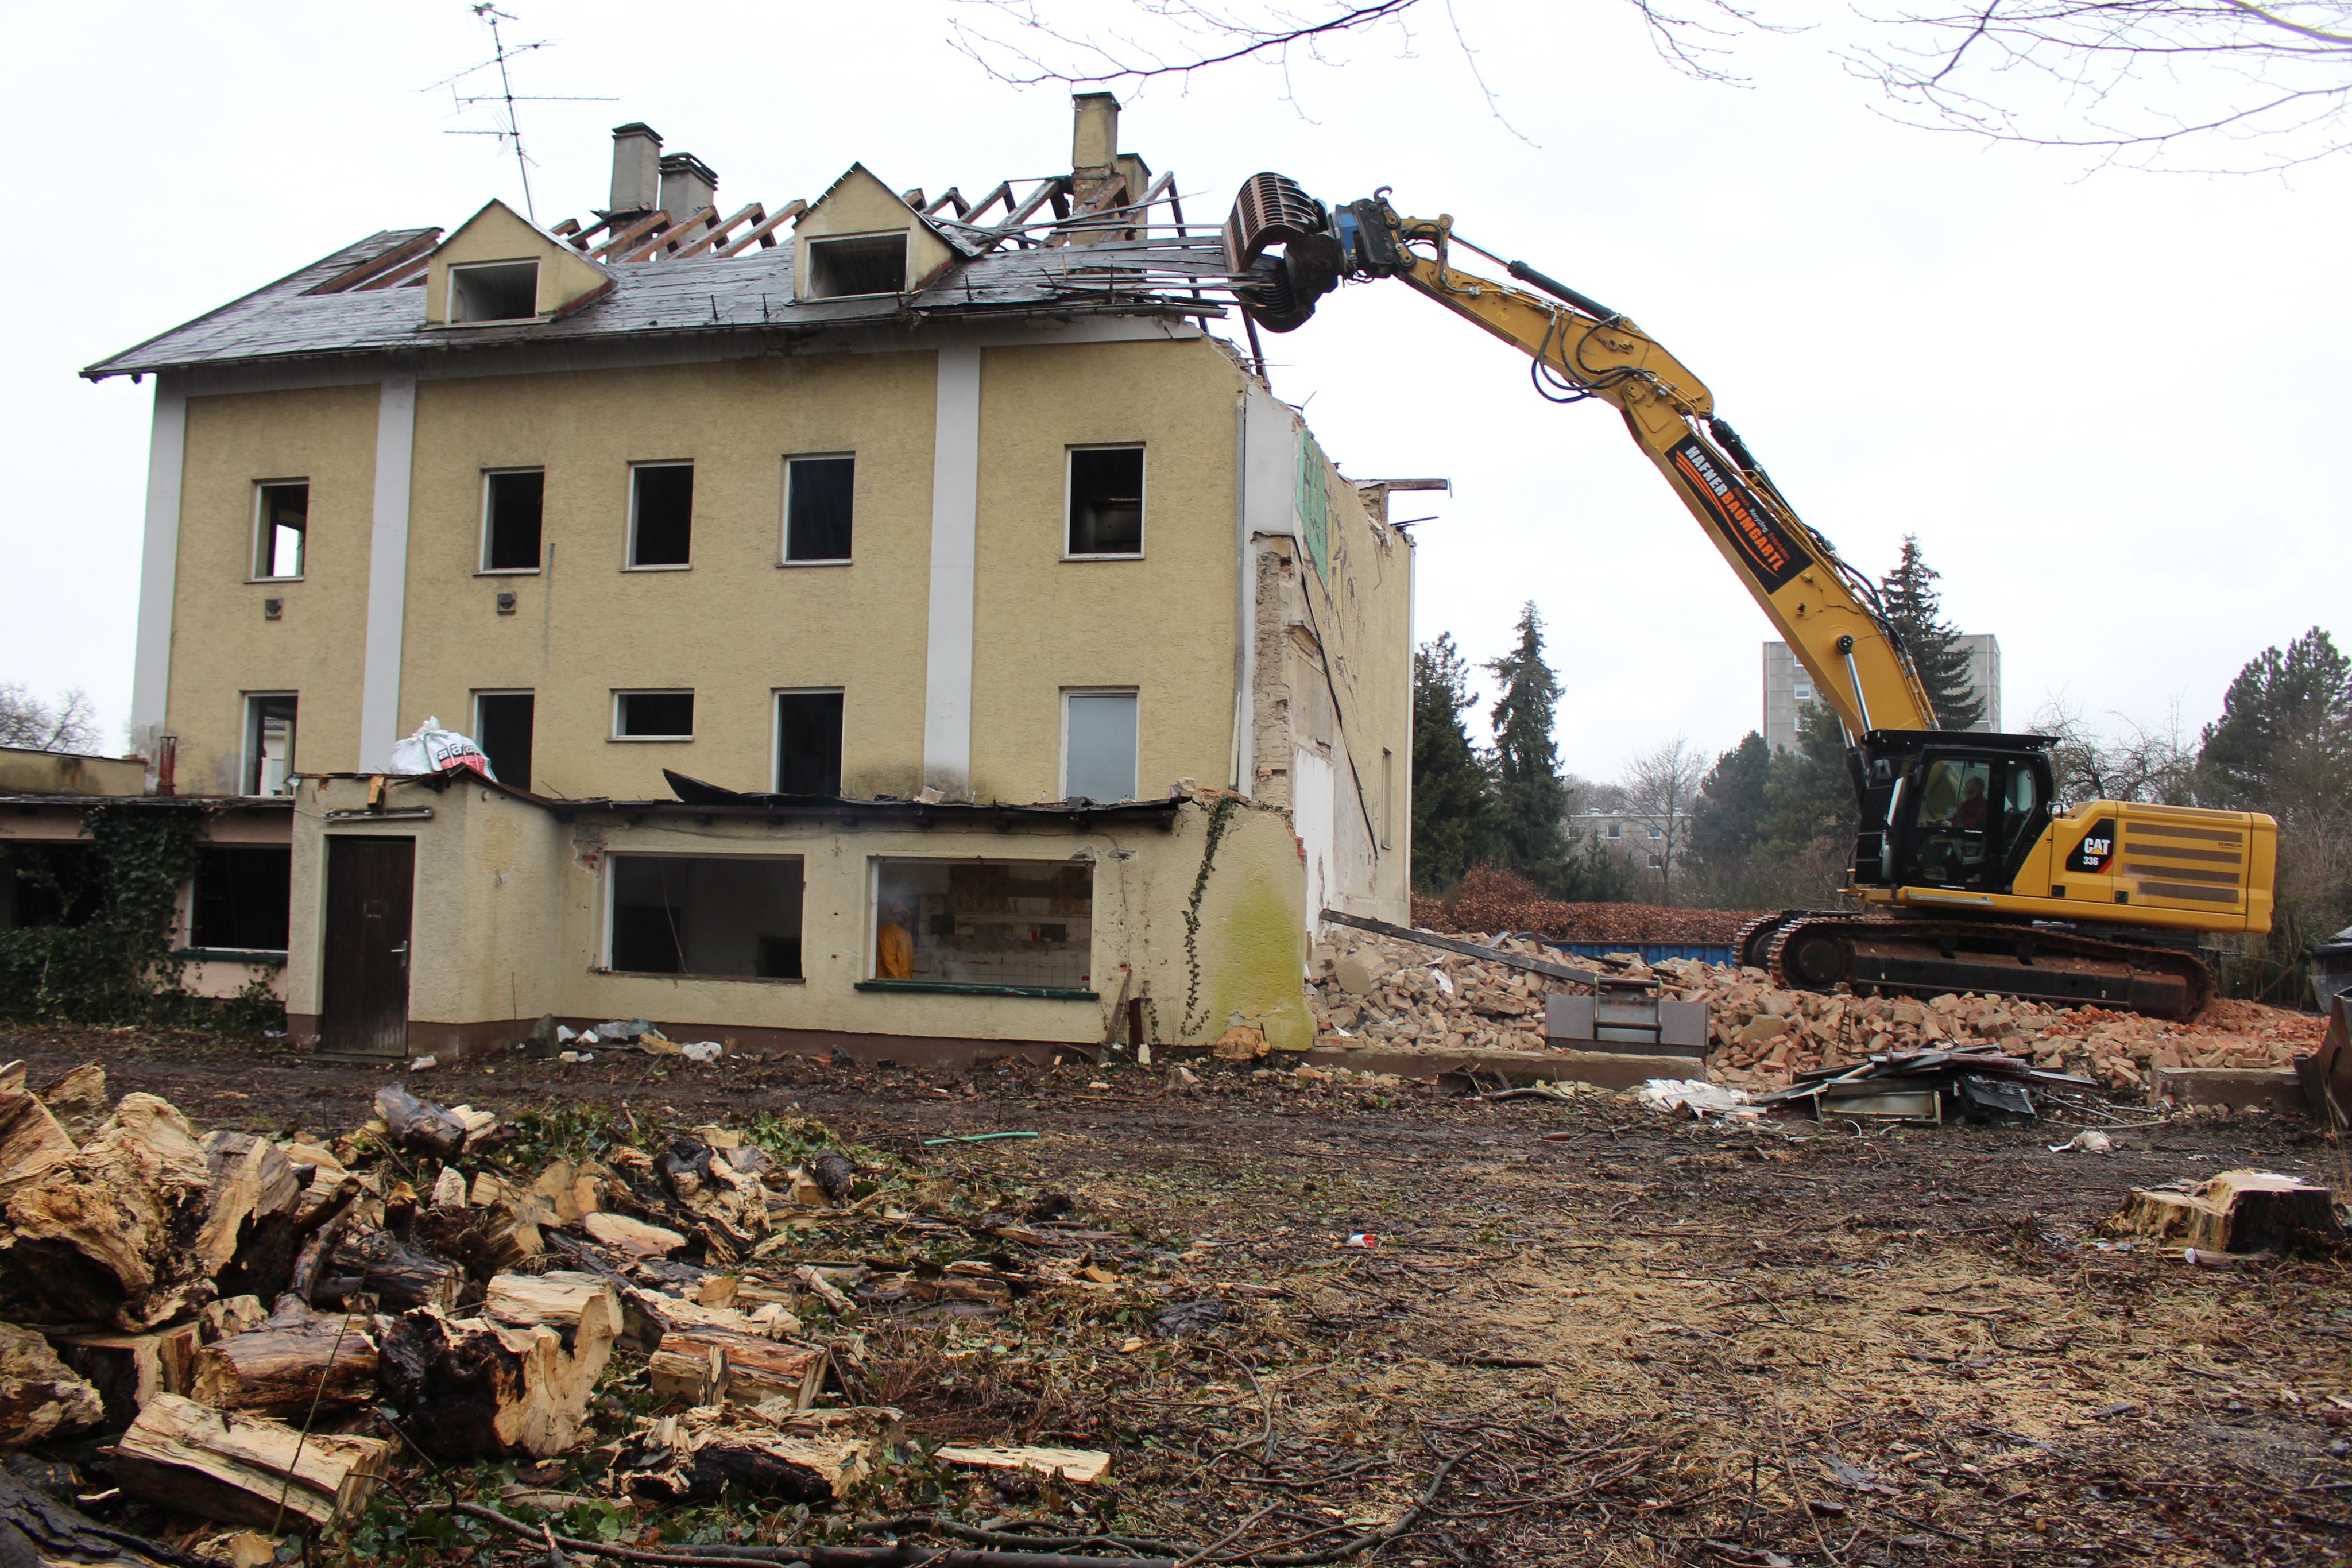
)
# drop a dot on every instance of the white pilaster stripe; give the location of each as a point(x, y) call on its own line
point(395, 443)
point(955, 527)
point(159, 563)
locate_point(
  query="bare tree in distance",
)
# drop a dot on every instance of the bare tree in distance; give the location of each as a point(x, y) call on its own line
point(2157, 763)
point(2204, 86)
point(1662, 788)
point(27, 721)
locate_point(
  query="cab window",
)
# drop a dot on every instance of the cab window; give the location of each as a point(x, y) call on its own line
point(1951, 831)
point(2021, 815)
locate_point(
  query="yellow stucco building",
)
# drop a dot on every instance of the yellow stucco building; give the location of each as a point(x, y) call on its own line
point(890, 619)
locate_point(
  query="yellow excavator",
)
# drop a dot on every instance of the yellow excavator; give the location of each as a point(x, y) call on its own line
point(1968, 877)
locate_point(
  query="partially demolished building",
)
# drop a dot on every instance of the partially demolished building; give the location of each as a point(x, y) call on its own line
point(892, 619)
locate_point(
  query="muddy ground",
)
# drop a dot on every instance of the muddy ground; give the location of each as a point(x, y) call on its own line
point(1587, 1333)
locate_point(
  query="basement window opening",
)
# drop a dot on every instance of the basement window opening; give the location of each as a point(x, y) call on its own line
point(494, 291)
point(1012, 928)
point(502, 725)
point(817, 494)
point(269, 724)
point(735, 917)
point(1105, 501)
point(857, 264)
point(242, 893)
point(661, 514)
point(281, 527)
point(513, 504)
point(653, 716)
point(808, 743)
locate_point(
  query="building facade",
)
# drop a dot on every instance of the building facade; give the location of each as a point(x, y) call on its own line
point(1789, 686)
point(909, 623)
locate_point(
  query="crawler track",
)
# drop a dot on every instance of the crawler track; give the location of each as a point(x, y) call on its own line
point(1932, 957)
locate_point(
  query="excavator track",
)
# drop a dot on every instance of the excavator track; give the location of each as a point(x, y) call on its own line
point(1751, 944)
point(1934, 957)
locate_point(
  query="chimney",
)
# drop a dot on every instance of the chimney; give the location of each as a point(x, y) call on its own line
point(688, 186)
point(637, 167)
point(1094, 133)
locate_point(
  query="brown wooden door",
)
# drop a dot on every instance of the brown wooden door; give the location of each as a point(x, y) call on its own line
point(370, 886)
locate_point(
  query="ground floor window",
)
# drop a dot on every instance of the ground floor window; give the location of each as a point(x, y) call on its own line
point(49, 885)
point(733, 915)
point(1019, 925)
point(241, 896)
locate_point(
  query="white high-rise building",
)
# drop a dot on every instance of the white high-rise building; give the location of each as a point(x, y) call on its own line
point(1788, 686)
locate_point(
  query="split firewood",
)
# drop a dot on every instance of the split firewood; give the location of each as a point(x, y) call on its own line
point(397, 1275)
point(699, 1456)
point(245, 1469)
point(78, 1102)
point(253, 1184)
point(31, 1142)
point(38, 1530)
point(108, 1235)
point(702, 1365)
point(419, 1125)
point(449, 1188)
point(310, 1263)
point(554, 1300)
point(229, 1316)
point(470, 1387)
point(824, 1288)
point(296, 1360)
point(41, 1398)
point(2236, 1211)
point(633, 1237)
point(129, 1370)
point(1083, 1464)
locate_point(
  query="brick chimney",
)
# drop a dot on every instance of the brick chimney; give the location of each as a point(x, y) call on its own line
point(636, 168)
point(1093, 135)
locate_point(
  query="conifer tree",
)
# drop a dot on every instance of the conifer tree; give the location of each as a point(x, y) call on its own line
point(1530, 797)
point(1453, 812)
point(1915, 605)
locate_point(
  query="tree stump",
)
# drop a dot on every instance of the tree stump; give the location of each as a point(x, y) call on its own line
point(697, 1456)
point(2236, 1211)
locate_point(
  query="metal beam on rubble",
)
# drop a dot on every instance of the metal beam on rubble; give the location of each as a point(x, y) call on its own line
point(1469, 949)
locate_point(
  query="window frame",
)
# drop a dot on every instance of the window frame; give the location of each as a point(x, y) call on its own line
point(249, 756)
point(259, 556)
point(819, 244)
point(482, 567)
point(608, 874)
point(1134, 694)
point(1070, 496)
point(785, 520)
point(458, 269)
point(629, 544)
point(776, 730)
point(621, 692)
point(871, 958)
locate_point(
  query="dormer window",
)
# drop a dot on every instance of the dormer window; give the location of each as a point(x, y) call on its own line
point(857, 264)
point(494, 291)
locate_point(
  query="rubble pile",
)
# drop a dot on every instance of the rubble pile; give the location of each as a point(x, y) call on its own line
point(1490, 900)
point(1375, 989)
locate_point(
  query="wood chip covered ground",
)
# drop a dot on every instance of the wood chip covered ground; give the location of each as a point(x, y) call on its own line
point(1215, 1313)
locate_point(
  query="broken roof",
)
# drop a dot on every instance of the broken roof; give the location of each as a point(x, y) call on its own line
point(711, 275)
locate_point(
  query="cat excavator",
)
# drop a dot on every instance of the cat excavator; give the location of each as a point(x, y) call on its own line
point(1967, 874)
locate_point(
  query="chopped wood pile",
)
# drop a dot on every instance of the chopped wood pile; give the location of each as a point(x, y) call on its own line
point(1490, 900)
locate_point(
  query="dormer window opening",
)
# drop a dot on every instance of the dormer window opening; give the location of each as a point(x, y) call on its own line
point(857, 264)
point(494, 291)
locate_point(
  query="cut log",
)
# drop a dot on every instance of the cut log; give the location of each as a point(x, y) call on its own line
point(31, 1142)
point(131, 1370)
point(2237, 1212)
point(107, 1236)
point(38, 1530)
point(228, 1316)
point(449, 1188)
point(1086, 1465)
point(633, 1237)
point(78, 1102)
point(419, 1125)
point(241, 1470)
point(699, 1456)
point(40, 1397)
point(471, 1389)
point(253, 1184)
point(397, 1275)
point(554, 1300)
point(747, 1368)
point(297, 1358)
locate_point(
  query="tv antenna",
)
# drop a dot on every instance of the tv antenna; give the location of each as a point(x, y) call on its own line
point(506, 97)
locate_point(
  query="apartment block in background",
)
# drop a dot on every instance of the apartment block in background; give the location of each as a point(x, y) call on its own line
point(1788, 686)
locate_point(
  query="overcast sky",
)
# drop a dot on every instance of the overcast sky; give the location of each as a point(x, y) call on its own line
point(2112, 407)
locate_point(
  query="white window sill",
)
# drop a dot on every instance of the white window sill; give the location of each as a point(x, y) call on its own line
point(649, 739)
point(271, 581)
point(829, 560)
point(1130, 555)
point(507, 571)
point(678, 565)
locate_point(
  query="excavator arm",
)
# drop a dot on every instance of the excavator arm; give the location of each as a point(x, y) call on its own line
point(1581, 348)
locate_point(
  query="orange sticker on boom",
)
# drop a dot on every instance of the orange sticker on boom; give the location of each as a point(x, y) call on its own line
point(1769, 553)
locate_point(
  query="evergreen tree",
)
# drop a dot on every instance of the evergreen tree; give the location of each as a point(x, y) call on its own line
point(1915, 606)
point(1728, 823)
point(2283, 741)
point(1531, 799)
point(1453, 811)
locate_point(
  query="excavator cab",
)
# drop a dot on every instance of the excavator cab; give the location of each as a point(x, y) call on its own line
point(1945, 809)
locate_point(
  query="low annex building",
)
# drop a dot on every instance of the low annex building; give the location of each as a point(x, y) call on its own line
point(891, 620)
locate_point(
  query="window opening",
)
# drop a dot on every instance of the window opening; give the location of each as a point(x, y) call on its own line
point(494, 291)
point(857, 264)
point(1616, 830)
point(1657, 833)
point(1106, 500)
point(241, 897)
point(818, 492)
point(502, 725)
point(49, 884)
point(513, 504)
point(653, 716)
point(269, 742)
point(985, 923)
point(1098, 745)
point(731, 917)
point(661, 514)
point(284, 528)
point(1951, 828)
point(808, 743)
point(1804, 691)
